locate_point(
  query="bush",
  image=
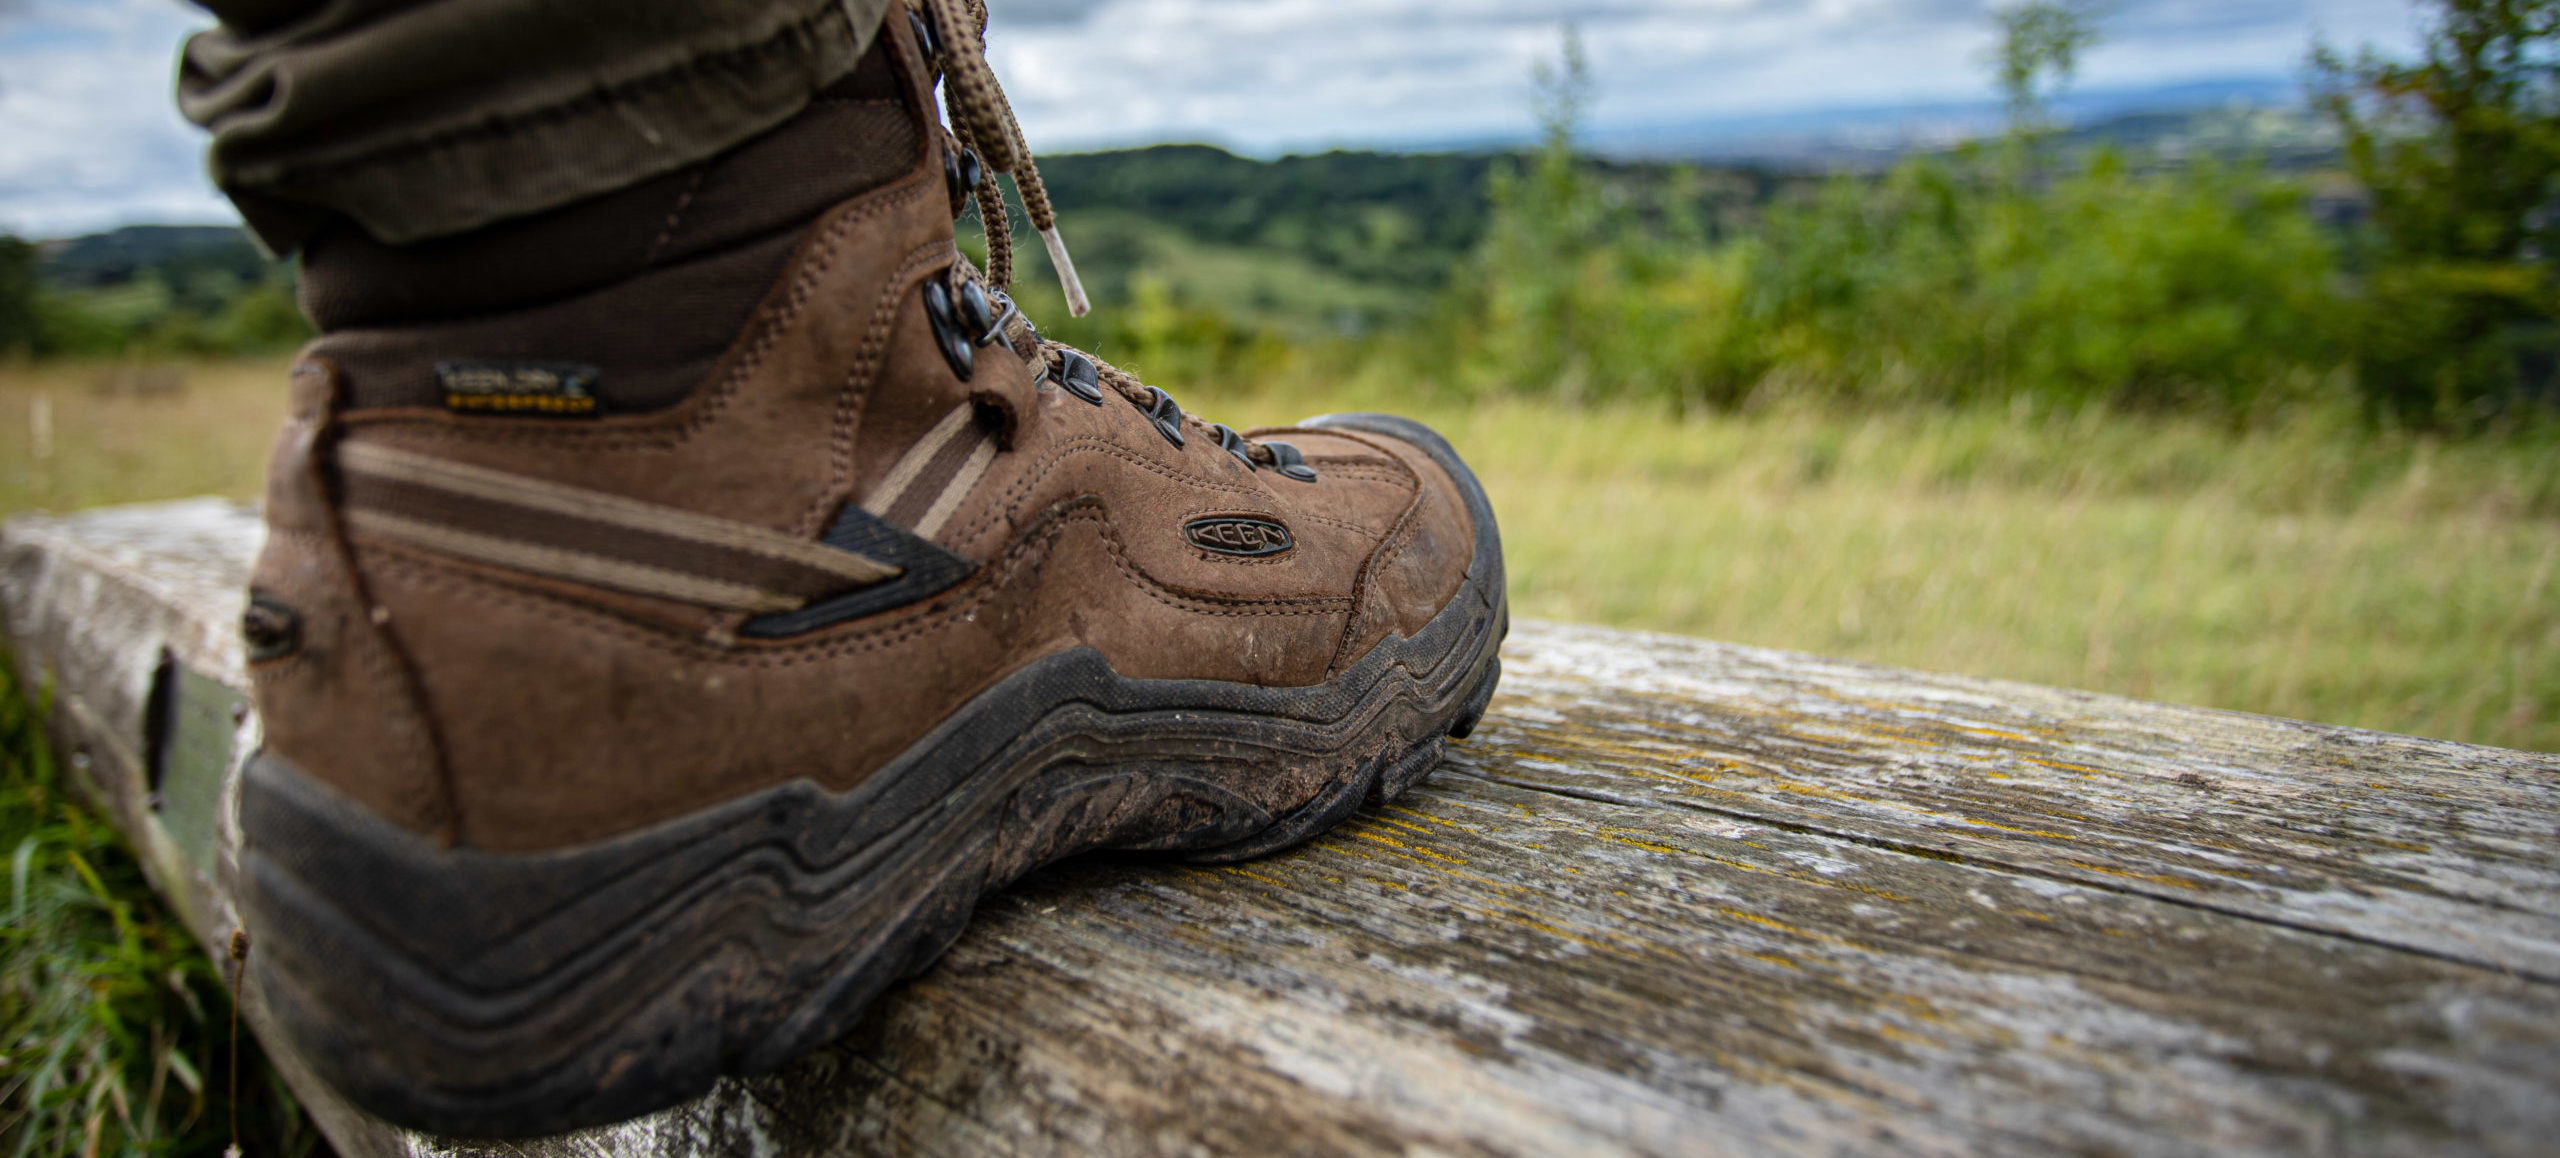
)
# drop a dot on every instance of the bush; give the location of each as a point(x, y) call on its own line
point(1949, 279)
point(2460, 153)
point(2203, 287)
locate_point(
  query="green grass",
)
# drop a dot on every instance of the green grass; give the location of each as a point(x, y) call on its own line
point(2317, 570)
point(115, 1029)
point(209, 436)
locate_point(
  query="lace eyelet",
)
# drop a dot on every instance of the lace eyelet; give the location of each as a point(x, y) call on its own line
point(1078, 375)
point(1291, 464)
point(1006, 313)
point(1166, 416)
point(926, 42)
point(946, 330)
point(976, 314)
point(1232, 443)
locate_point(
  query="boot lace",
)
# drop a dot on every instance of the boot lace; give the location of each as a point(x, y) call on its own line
point(989, 141)
point(954, 35)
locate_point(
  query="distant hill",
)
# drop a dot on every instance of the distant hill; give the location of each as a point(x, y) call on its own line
point(2284, 136)
point(2264, 116)
point(1384, 218)
point(1337, 240)
point(173, 251)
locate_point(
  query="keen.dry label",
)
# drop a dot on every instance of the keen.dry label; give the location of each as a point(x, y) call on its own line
point(536, 388)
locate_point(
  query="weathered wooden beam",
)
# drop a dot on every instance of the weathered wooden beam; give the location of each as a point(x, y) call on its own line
point(1675, 897)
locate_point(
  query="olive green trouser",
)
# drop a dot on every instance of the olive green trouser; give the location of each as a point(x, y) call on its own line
point(419, 119)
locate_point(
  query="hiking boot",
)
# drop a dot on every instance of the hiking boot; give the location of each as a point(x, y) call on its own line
point(653, 672)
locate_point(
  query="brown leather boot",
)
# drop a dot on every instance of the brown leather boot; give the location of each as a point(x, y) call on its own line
point(652, 675)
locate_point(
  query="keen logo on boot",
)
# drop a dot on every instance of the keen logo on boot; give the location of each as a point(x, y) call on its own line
point(518, 387)
point(1251, 538)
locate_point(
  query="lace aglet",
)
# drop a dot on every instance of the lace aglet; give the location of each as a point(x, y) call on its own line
point(1077, 304)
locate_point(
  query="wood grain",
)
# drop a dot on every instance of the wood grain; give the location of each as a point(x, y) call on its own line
point(1674, 897)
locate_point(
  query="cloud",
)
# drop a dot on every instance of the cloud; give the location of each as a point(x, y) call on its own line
point(93, 140)
point(1025, 13)
point(1276, 74)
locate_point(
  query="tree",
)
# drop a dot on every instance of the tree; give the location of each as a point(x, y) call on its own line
point(2460, 154)
point(2040, 46)
point(18, 317)
point(1547, 226)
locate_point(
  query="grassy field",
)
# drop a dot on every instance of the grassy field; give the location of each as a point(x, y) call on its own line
point(2318, 572)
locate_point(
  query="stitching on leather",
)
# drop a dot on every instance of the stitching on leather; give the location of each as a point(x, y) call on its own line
point(1028, 552)
point(1006, 504)
point(1372, 474)
point(858, 381)
point(1329, 521)
point(1352, 460)
point(821, 259)
point(390, 679)
point(1378, 455)
point(1403, 535)
point(1389, 546)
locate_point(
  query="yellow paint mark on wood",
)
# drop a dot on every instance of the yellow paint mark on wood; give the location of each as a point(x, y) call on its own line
point(1622, 838)
point(1410, 850)
point(1420, 815)
point(1242, 871)
point(1830, 793)
point(1757, 919)
point(2065, 766)
point(1412, 828)
point(2155, 878)
point(1992, 732)
point(2013, 828)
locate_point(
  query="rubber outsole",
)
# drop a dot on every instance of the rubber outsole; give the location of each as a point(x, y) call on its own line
point(471, 993)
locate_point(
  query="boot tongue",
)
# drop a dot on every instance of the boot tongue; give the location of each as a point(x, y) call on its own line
point(645, 287)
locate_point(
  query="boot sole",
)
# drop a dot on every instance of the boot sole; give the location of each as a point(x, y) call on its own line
point(479, 994)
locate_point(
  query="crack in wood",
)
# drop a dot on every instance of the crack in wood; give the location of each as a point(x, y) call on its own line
point(1993, 864)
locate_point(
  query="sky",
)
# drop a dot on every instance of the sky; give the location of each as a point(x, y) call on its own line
point(89, 139)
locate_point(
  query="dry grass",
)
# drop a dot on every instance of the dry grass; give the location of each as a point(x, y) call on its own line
point(2318, 573)
point(124, 436)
